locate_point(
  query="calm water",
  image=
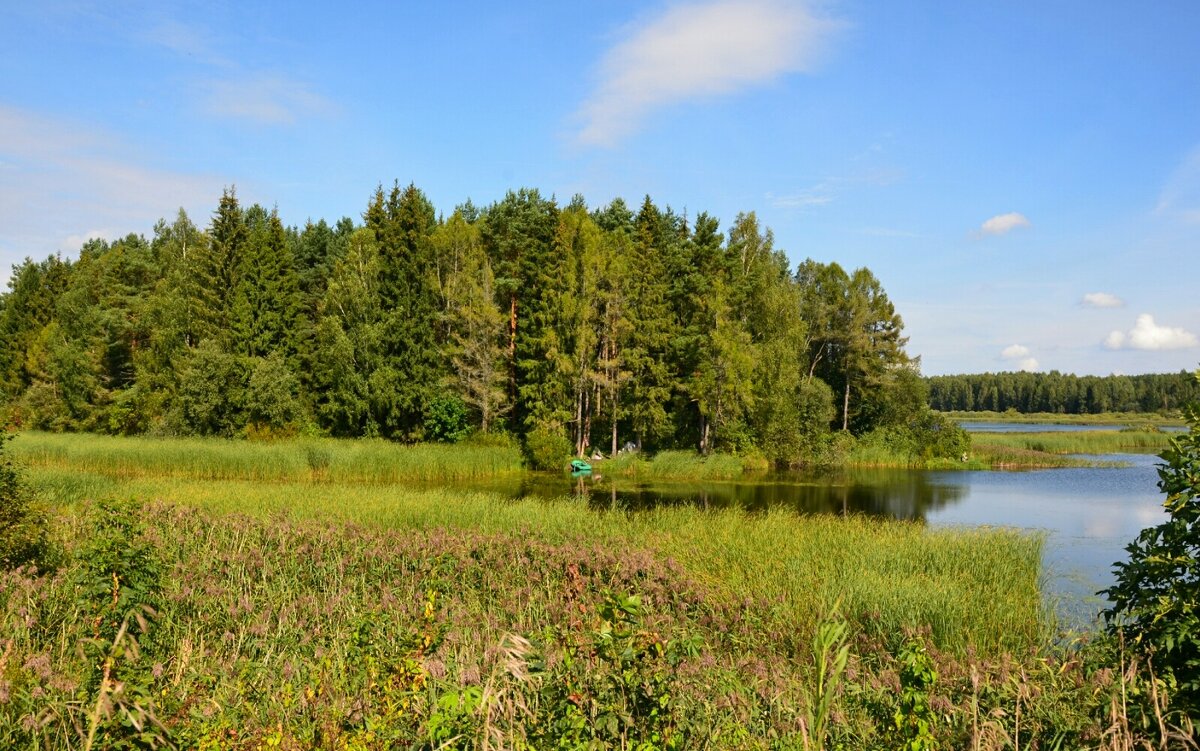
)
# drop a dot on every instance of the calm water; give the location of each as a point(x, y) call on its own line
point(1088, 514)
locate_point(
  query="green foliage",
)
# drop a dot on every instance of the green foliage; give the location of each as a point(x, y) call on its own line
point(617, 688)
point(547, 449)
point(271, 394)
point(446, 419)
point(935, 436)
point(1156, 599)
point(118, 578)
point(611, 325)
point(24, 535)
point(1063, 393)
point(212, 391)
point(914, 717)
point(830, 652)
point(370, 618)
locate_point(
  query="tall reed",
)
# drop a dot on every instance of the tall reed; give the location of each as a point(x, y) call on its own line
point(319, 459)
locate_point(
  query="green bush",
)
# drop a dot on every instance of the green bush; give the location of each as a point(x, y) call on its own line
point(446, 419)
point(547, 449)
point(1156, 600)
point(24, 536)
point(936, 436)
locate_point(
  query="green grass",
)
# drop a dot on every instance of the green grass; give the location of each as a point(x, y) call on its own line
point(904, 573)
point(324, 460)
point(1105, 418)
point(1073, 442)
point(296, 610)
point(292, 628)
point(681, 465)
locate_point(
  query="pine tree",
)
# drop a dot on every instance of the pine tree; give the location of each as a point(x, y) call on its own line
point(402, 225)
point(227, 236)
point(266, 302)
point(651, 326)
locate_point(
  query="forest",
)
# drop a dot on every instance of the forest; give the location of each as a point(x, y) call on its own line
point(575, 329)
point(1063, 393)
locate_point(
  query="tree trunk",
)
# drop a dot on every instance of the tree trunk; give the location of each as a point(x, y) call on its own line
point(615, 425)
point(579, 423)
point(846, 408)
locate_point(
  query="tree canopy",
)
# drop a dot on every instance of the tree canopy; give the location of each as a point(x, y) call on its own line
point(593, 326)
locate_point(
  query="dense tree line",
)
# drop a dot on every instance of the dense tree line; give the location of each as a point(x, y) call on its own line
point(571, 327)
point(1063, 393)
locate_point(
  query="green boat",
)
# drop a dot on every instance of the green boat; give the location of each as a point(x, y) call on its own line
point(579, 465)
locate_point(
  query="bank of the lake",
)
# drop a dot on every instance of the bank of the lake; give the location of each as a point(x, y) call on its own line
point(1116, 419)
point(319, 605)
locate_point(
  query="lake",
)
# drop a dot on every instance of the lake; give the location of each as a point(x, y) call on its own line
point(1088, 514)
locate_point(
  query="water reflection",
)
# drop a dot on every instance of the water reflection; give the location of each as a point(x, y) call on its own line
point(896, 494)
point(1089, 514)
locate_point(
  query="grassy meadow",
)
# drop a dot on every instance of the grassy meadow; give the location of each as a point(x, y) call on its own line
point(247, 596)
point(1076, 442)
point(1116, 419)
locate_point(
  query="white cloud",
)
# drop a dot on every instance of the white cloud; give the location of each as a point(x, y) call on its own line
point(698, 50)
point(1102, 300)
point(263, 98)
point(1148, 335)
point(74, 242)
point(1004, 223)
point(1019, 354)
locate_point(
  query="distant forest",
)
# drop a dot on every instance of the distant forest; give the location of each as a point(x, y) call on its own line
point(1063, 393)
point(570, 327)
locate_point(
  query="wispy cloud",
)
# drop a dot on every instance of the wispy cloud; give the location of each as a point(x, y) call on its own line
point(1002, 224)
point(1180, 196)
point(830, 188)
point(1019, 355)
point(699, 50)
point(187, 40)
point(230, 89)
point(265, 99)
point(818, 195)
point(1101, 300)
point(90, 179)
point(1148, 335)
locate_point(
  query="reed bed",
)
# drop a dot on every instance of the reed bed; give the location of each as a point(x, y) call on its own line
point(268, 631)
point(314, 459)
point(308, 612)
point(974, 588)
point(1103, 418)
point(1075, 442)
point(681, 465)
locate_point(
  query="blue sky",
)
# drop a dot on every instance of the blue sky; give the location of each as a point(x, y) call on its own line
point(1024, 178)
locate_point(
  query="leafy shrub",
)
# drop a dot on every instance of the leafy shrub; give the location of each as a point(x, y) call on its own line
point(1156, 599)
point(618, 688)
point(446, 419)
point(24, 536)
point(271, 394)
point(934, 435)
point(547, 449)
